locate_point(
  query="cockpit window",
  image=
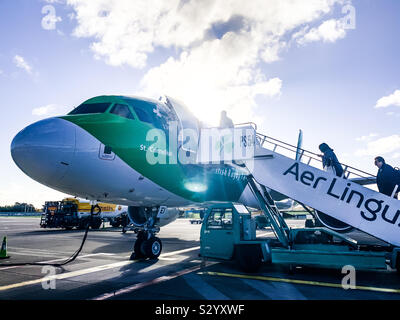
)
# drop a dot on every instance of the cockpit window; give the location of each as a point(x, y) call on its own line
point(122, 111)
point(142, 114)
point(154, 113)
point(86, 108)
point(189, 125)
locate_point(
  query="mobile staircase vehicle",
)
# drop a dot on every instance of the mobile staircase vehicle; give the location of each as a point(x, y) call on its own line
point(341, 201)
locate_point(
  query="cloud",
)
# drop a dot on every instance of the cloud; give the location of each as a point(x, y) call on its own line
point(21, 63)
point(396, 155)
point(210, 78)
point(47, 110)
point(367, 138)
point(390, 100)
point(126, 32)
point(213, 50)
point(329, 31)
point(380, 146)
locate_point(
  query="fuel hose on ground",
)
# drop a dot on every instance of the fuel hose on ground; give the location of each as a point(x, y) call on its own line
point(70, 259)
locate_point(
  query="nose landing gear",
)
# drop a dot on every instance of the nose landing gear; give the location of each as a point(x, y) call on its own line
point(147, 245)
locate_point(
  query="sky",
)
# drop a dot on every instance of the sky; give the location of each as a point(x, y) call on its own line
point(328, 67)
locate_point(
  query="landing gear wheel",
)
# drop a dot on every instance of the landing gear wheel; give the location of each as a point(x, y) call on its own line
point(248, 257)
point(332, 223)
point(137, 252)
point(398, 264)
point(152, 247)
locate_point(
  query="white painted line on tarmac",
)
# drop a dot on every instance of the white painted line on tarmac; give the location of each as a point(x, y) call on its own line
point(275, 291)
point(67, 275)
point(203, 288)
point(62, 259)
point(167, 259)
point(179, 251)
point(31, 254)
point(164, 255)
point(145, 284)
point(83, 271)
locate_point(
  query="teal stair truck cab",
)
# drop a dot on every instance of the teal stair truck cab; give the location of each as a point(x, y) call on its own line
point(229, 232)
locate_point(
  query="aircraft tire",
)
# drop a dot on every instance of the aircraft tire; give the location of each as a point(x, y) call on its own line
point(152, 247)
point(137, 248)
point(248, 257)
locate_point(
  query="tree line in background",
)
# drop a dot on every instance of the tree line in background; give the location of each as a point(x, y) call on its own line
point(18, 207)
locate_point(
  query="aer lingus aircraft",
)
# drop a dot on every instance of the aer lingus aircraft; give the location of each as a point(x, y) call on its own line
point(104, 150)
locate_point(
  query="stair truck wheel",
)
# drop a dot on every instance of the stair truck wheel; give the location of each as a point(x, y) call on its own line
point(152, 248)
point(248, 257)
point(331, 223)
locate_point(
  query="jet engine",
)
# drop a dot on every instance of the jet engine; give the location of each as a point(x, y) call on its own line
point(139, 216)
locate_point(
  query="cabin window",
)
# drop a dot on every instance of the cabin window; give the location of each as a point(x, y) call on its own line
point(87, 108)
point(122, 110)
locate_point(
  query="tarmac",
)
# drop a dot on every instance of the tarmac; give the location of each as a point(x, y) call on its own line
point(103, 270)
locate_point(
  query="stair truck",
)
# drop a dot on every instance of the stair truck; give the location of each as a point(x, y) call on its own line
point(228, 230)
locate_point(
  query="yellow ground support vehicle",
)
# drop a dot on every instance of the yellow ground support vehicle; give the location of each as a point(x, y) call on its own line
point(73, 212)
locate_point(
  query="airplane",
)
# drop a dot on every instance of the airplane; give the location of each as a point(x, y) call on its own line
point(99, 151)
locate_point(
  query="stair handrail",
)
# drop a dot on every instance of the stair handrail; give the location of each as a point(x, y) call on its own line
point(311, 155)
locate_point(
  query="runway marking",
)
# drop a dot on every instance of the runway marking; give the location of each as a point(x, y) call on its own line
point(203, 288)
point(174, 252)
point(276, 291)
point(145, 284)
point(179, 252)
point(167, 259)
point(61, 259)
point(83, 271)
point(296, 281)
point(67, 275)
point(33, 254)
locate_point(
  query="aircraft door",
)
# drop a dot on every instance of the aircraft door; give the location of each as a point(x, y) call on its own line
point(219, 233)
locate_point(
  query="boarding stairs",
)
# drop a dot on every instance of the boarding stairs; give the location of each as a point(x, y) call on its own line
point(344, 198)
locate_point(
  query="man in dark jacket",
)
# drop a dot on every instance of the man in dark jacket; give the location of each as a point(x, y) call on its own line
point(387, 177)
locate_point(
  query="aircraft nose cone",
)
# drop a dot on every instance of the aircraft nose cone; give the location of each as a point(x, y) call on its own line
point(44, 150)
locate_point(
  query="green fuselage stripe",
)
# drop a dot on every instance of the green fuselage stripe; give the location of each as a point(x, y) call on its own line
point(127, 138)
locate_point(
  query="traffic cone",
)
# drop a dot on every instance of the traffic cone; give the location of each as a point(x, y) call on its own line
point(3, 251)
